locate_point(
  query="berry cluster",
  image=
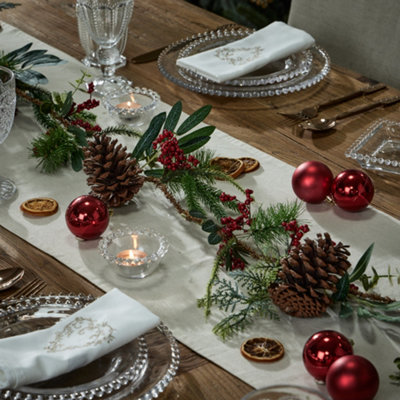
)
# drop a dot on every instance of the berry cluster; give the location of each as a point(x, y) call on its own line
point(87, 105)
point(297, 231)
point(236, 224)
point(86, 125)
point(172, 156)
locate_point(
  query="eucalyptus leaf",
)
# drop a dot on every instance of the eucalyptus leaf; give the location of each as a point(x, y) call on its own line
point(146, 141)
point(197, 214)
point(76, 160)
point(47, 60)
point(156, 173)
point(15, 53)
point(31, 77)
point(342, 288)
point(362, 264)
point(66, 108)
point(194, 144)
point(214, 238)
point(79, 133)
point(30, 56)
point(194, 119)
point(209, 226)
point(173, 116)
point(196, 136)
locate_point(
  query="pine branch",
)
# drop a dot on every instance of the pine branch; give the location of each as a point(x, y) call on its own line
point(121, 130)
point(189, 186)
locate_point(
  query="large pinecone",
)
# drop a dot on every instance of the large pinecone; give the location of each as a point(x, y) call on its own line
point(113, 176)
point(309, 276)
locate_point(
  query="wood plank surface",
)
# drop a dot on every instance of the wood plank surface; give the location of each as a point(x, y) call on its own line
point(255, 121)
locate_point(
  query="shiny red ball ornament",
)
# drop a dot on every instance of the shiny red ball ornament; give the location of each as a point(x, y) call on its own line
point(322, 349)
point(352, 378)
point(352, 190)
point(87, 217)
point(312, 181)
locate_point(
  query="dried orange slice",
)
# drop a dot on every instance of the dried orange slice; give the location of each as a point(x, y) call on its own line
point(262, 349)
point(250, 164)
point(40, 206)
point(230, 166)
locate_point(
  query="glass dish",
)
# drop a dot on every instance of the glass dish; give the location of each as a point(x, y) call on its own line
point(133, 253)
point(132, 105)
point(135, 368)
point(284, 392)
point(292, 74)
point(378, 148)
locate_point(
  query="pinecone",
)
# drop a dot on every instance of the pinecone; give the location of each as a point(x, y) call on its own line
point(309, 276)
point(113, 175)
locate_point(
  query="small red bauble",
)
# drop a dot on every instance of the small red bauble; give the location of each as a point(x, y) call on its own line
point(87, 217)
point(311, 181)
point(322, 349)
point(352, 190)
point(352, 378)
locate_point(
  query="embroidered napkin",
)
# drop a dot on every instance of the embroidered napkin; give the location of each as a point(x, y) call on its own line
point(104, 325)
point(275, 41)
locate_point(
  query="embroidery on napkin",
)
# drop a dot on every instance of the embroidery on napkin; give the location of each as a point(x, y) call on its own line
point(79, 333)
point(238, 56)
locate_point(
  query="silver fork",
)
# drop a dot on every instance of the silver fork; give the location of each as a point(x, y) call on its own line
point(31, 288)
point(312, 111)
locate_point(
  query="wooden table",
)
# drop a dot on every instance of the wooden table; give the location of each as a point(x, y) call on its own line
point(160, 22)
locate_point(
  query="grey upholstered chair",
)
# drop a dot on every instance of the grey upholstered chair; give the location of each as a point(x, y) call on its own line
point(363, 35)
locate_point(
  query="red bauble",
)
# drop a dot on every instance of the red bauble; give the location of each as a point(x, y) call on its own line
point(87, 217)
point(352, 378)
point(322, 349)
point(352, 190)
point(311, 181)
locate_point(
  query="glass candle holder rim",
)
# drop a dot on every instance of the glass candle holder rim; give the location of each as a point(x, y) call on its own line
point(155, 97)
point(107, 240)
point(307, 390)
point(11, 75)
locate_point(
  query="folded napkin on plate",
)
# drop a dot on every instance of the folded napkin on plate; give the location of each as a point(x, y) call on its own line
point(275, 41)
point(104, 325)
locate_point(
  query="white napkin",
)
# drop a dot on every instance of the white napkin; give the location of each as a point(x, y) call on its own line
point(275, 41)
point(104, 325)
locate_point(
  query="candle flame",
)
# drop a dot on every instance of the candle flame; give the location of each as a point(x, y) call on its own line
point(135, 241)
point(132, 98)
point(131, 255)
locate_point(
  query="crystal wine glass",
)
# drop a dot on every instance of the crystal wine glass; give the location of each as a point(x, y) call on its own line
point(106, 22)
point(7, 112)
point(90, 47)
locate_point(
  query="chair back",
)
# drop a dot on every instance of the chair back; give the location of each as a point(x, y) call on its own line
point(362, 35)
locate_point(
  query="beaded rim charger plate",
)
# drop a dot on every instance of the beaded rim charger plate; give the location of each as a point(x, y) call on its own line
point(136, 368)
point(294, 73)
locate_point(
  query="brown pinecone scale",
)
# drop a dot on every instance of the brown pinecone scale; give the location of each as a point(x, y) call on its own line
point(309, 276)
point(112, 175)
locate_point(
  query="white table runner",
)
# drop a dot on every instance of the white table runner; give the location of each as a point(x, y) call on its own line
point(172, 290)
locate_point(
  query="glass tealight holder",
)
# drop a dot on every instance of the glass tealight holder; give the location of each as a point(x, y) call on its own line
point(132, 105)
point(284, 392)
point(133, 253)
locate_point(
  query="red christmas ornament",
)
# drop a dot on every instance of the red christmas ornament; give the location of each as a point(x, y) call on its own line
point(87, 217)
point(352, 378)
point(322, 349)
point(311, 181)
point(352, 190)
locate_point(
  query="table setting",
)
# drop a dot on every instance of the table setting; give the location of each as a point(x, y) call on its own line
point(225, 262)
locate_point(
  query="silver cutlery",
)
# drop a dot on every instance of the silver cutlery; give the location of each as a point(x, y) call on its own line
point(312, 111)
point(323, 124)
point(31, 288)
point(10, 276)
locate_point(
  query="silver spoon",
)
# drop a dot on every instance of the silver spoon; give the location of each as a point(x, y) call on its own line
point(323, 124)
point(10, 276)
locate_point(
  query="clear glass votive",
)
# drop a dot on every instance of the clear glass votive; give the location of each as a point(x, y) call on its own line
point(132, 105)
point(133, 253)
point(284, 392)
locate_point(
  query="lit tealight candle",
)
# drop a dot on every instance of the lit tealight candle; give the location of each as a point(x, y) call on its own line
point(133, 256)
point(130, 104)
